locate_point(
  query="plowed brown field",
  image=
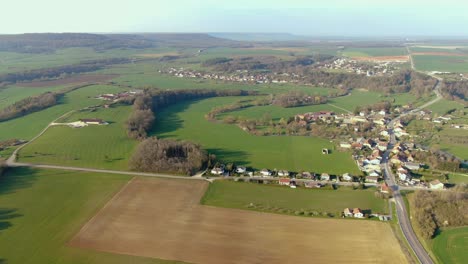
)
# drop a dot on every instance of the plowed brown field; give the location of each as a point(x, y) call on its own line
point(162, 218)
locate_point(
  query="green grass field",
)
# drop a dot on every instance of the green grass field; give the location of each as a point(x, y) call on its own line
point(105, 147)
point(41, 210)
point(240, 195)
point(451, 246)
point(441, 107)
point(441, 63)
point(186, 121)
point(374, 52)
point(30, 125)
point(12, 94)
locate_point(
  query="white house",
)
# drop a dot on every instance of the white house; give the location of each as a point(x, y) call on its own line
point(403, 176)
point(345, 145)
point(347, 177)
point(241, 169)
point(324, 177)
point(283, 173)
point(358, 213)
point(217, 171)
point(265, 173)
point(436, 185)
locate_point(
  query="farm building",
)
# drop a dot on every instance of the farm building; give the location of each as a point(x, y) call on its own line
point(312, 184)
point(436, 185)
point(372, 179)
point(93, 121)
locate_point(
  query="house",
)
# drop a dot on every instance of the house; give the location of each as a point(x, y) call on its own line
point(347, 177)
point(217, 171)
point(241, 169)
point(93, 121)
point(372, 179)
point(325, 151)
point(348, 212)
point(306, 175)
point(312, 184)
point(436, 185)
point(384, 133)
point(345, 145)
point(382, 146)
point(358, 213)
point(412, 166)
point(374, 174)
point(384, 188)
point(284, 181)
point(385, 218)
point(403, 176)
point(324, 177)
point(283, 173)
point(265, 173)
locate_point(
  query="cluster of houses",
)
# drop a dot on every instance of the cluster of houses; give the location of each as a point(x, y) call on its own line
point(116, 97)
point(384, 68)
point(244, 76)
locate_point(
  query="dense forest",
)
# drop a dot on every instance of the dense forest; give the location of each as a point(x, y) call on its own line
point(56, 72)
point(455, 90)
point(169, 156)
point(434, 210)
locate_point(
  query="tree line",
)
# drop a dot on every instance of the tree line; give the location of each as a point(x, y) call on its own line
point(29, 105)
point(56, 72)
point(297, 98)
point(456, 90)
point(434, 210)
point(168, 156)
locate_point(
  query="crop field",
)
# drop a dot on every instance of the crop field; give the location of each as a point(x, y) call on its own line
point(458, 149)
point(30, 125)
point(186, 121)
point(451, 246)
point(95, 146)
point(443, 63)
point(142, 221)
point(41, 210)
point(240, 195)
point(375, 52)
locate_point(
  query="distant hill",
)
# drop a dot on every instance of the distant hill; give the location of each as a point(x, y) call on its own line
point(49, 42)
point(266, 37)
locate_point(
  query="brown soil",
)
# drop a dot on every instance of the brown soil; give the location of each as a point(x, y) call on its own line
point(162, 218)
point(83, 78)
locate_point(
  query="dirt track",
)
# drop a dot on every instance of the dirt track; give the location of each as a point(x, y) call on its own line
point(162, 218)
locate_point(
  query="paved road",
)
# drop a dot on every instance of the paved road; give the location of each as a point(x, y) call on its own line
point(402, 213)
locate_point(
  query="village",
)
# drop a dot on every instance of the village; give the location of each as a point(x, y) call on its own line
point(377, 68)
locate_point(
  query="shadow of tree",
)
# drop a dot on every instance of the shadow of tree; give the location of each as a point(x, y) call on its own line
point(235, 156)
point(16, 178)
point(5, 216)
point(168, 120)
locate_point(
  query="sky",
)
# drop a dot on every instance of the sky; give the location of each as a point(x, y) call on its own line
point(301, 17)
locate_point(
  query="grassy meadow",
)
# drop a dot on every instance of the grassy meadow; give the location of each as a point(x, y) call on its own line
point(30, 125)
point(95, 146)
point(186, 121)
point(240, 195)
point(41, 210)
point(451, 246)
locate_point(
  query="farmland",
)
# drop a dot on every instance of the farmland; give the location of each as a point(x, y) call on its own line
point(374, 52)
point(230, 144)
point(443, 63)
point(451, 245)
point(105, 147)
point(240, 195)
point(41, 210)
point(231, 236)
point(30, 125)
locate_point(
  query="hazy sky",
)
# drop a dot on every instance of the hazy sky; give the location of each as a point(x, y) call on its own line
point(305, 17)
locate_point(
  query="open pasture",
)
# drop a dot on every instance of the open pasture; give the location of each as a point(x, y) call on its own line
point(163, 219)
point(451, 246)
point(186, 121)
